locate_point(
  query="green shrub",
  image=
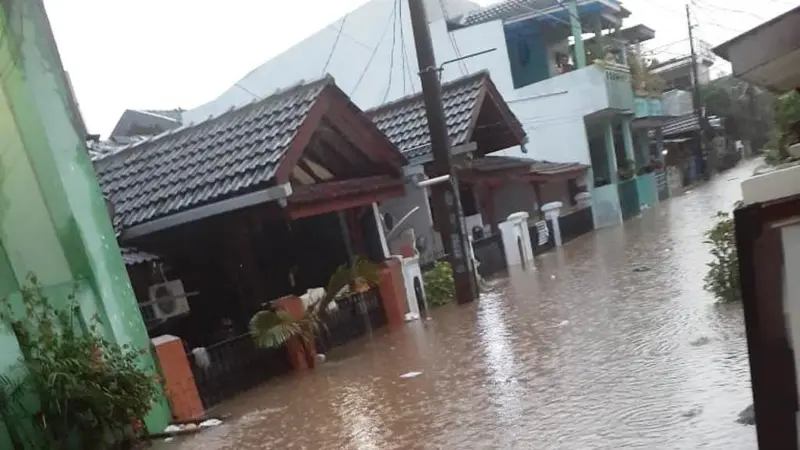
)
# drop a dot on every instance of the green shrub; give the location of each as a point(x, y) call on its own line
point(88, 388)
point(439, 285)
point(722, 278)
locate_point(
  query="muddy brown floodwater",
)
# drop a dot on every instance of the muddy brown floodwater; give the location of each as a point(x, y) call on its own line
point(582, 353)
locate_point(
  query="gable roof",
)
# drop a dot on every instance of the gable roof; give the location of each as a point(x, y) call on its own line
point(235, 153)
point(405, 123)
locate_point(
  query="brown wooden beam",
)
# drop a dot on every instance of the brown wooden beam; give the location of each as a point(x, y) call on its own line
point(323, 206)
point(303, 137)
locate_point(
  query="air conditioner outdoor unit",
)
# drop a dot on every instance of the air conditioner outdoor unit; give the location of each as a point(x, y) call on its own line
point(167, 300)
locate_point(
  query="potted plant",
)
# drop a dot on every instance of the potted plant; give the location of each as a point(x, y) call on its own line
point(626, 170)
point(89, 390)
point(272, 328)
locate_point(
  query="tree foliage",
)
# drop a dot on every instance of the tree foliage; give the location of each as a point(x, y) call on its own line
point(85, 387)
point(272, 328)
point(722, 278)
point(439, 284)
point(747, 110)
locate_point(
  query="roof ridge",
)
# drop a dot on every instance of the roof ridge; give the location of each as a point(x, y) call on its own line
point(325, 80)
point(478, 74)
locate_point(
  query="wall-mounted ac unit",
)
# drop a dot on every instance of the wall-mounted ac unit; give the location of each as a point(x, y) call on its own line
point(167, 300)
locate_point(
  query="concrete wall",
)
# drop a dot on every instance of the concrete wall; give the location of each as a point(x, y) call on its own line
point(367, 30)
point(53, 220)
point(551, 111)
point(515, 197)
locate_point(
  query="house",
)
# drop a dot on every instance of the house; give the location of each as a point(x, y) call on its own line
point(263, 201)
point(479, 122)
point(678, 72)
point(768, 54)
point(684, 158)
point(767, 241)
point(142, 122)
point(585, 115)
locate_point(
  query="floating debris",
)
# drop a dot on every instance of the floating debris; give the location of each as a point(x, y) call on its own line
point(748, 416)
point(320, 357)
point(703, 340)
point(411, 317)
point(642, 269)
point(694, 412)
point(214, 422)
point(563, 323)
point(411, 375)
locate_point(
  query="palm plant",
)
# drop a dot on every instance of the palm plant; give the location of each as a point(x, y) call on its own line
point(272, 328)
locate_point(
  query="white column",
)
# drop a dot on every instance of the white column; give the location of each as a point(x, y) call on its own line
point(552, 212)
point(381, 231)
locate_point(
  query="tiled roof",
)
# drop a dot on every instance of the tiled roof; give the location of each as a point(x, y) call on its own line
point(492, 162)
point(405, 123)
point(234, 153)
point(686, 123)
point(174, 114)
point(504, 10)
point(133, 256)
point(511, 9)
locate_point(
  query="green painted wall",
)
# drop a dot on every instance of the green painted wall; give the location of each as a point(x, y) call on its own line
point(53, 221)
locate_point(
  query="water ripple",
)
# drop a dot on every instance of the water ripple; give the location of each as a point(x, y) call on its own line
point(583, 353)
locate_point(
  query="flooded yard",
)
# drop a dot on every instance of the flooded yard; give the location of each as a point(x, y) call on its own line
point(610, 343)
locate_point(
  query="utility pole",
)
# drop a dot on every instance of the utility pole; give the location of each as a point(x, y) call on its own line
point(446, 199)
point(696, 102)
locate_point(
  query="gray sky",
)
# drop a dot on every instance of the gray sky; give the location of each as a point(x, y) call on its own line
point(169, 53)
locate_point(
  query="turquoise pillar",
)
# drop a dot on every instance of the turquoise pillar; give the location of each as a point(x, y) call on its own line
point(53, 220)
point(660, 146)
point(577, 33)
point(627, 139)
point(611, 152)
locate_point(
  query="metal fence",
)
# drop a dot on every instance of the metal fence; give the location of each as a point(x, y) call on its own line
point(576, 224)
point(355, 316)
point(546, 246)
point(236, 365)
point(490, 254)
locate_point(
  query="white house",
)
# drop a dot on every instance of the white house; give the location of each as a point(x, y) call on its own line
point(587, 115)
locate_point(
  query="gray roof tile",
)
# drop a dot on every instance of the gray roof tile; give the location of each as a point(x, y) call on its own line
point(231, 154)
point(405, 123)
point(133, 256)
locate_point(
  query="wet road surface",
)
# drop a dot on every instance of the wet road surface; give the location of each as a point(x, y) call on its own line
point(583, 353)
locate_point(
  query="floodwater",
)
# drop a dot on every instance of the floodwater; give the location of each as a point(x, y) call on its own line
point(583, 353)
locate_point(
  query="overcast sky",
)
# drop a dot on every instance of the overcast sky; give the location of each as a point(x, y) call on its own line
point(162, 54)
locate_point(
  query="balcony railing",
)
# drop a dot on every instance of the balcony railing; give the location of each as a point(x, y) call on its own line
point(618, 87)
point(648, 107)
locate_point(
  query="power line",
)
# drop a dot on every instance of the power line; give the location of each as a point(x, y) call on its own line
point(406, 66)
point(374, 51)
point(723, 8)
point(335, 42)
point(391, 52)
point(654, 49)
point(454, 42)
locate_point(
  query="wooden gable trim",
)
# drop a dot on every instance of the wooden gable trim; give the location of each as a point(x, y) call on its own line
point(324, 206)
point(303, 137)
point(363, 132)
point(476, 111)
point(490, 91)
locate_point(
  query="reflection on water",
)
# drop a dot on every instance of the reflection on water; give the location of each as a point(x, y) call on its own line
point(582, 353)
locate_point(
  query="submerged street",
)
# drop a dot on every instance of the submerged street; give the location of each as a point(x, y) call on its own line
point(610, 343)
